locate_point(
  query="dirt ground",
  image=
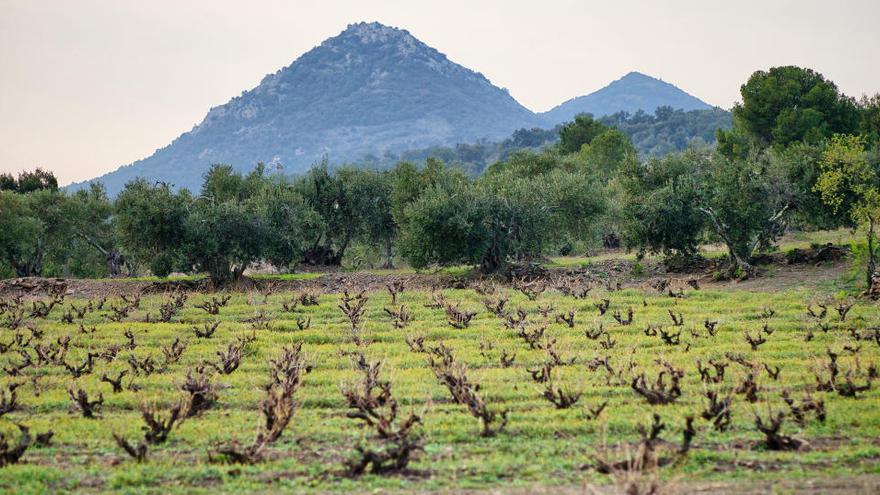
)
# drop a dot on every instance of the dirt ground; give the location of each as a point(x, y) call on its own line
point(778, 275)
point(854, 485)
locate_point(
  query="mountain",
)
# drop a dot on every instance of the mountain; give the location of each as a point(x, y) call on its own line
point(372, 89)
point(371, 93)
point(631, 93)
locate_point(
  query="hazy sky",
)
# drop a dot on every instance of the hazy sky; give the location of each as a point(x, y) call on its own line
point(87, 86)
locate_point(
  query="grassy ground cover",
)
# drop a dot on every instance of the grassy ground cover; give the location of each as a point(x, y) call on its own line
point(541, 445)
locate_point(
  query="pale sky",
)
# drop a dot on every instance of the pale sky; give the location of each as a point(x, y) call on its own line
point(89, 85)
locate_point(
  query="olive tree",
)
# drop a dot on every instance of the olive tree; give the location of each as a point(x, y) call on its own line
point(290, 224)
point(21, 245)
point(223, 238)
point(496, 220)
point(660, 206)
point(745, 201)
point(151, 224)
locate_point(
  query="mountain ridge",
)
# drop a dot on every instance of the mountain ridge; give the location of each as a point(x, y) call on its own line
point(370, 90)
point(626, 95)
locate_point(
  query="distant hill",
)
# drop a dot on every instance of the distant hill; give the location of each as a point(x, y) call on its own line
point(631, 93)
point(370, 90)
point(368, 95)
point(669, 130)
point(665, 131)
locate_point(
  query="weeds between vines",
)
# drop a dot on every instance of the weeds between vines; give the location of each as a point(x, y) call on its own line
point(56, 349)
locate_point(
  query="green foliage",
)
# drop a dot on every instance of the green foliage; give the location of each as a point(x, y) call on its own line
point(223, 183)
point(28, 182)
point(500, 218)
point(223, 238)
point(800, 164)
point(48, 233)
point(607, 152)
point(665, 131)
point(669, 130)
point(849, 182)
point(574, 135)
point(20, 244)
point(93, 247)
point(443, 227)
point(409, 183)
point(746, 201)
point(328, 195)
point(290, 221)
point(660, 211)
point(529, 163)
point(789, 104)
point(869, 124)
point(151, 221)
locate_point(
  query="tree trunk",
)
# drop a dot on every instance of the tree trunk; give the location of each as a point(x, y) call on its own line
point(29, 268)
point(491, 262)
point(872, 259)
point(389, 254)
point(116, 263)
point(341, 252)
point(740, 267)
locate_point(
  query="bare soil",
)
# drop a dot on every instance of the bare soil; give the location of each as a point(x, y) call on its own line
point(805, 269)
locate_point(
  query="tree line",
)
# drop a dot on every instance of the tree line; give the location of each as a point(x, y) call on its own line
point(800, 153)
point(667, 130)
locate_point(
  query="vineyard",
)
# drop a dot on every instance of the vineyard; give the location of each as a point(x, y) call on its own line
point(554, 382)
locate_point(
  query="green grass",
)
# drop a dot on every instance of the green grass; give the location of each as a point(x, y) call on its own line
point(541, 446)
point(797, 240)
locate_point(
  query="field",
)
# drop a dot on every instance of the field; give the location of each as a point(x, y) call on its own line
point(542, 446)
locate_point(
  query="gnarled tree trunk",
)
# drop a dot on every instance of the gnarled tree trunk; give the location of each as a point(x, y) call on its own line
point(389, 254)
